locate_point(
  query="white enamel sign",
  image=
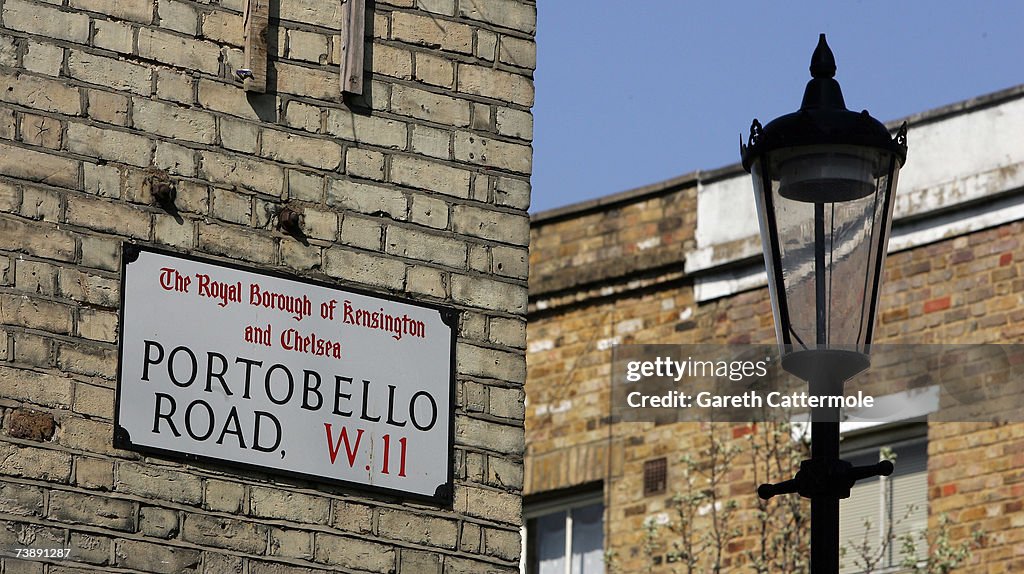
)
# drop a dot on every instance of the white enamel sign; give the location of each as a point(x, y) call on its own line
point(227, 364)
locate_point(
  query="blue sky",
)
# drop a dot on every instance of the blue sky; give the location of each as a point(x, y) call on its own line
point(631, 93)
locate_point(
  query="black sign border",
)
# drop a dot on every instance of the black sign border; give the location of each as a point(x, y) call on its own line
point(444, 493)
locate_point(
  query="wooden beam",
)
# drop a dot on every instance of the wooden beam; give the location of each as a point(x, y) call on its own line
point(257, 21)
point(352, 46)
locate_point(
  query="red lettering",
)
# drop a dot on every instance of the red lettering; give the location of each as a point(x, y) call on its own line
point(350, 450)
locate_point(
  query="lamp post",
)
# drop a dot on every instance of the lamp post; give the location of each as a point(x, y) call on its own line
point(824, 182)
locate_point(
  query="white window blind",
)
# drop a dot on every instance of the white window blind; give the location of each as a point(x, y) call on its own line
point(897, 504)
point(565, 538)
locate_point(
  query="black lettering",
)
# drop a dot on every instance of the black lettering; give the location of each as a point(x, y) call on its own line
point(291, 384)
point(170, 366)
point(237, 431)
point(391, 408)
point(340, 395)
point(146, 361)
point(314, 389)
point(366, 404)
point(433, 411)
point(248, 372)
point(210, 375)
point(256, 432)
point(158, 414)
point(188, 420)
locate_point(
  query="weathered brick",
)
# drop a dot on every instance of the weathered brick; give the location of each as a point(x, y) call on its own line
point(224, 496)
point(114, 35)
point(505, 439)
point(305, 186)
point(38, 463)
point(39, 93)
point(512, 193)
point(177, 16)
point(433, 32)
point(353, 553)
point(7, 124)
point(367, 129)
point(320, 225)
point(308, 46)
point(429, 247)
point(506, 13)
point(515, 123)
point(494, 225)
point(21, 499)
point(430, 141)
point(504, 544)
point(187, 53)
point(136, 10)
point(296, 506)
point(155, 557)
point(95, 213)
point(40, 204)
point(239, 243)
point(44, 59)
point(431, 176)
point(238, 135)
point(307, 82)
point(489, 294)
point(40, 241)
point(327, 15)
point(291, 543)
point(111, 145)
point(158, 483)
point(111, 73)
point(494, 505)
point(243, 536)
point(174, 159)
point(408, 101)
point(89, 360)
point(303, 116)
point(224, 27)
point(94, 473)
point(501, 365)
point(91, 549)
point(174, 121)
point(176, 87)
point(8, 51)
point(365, 269)
point(417, 528)
point(427, 281)
point(473, 148)
point(390, 61)
point(486, 45)
point(93, 400)
point(231, 206)
point(46, 21)
point(296, 149)
point(92, 510)
point(518, 52)
point(243, 171)
point(364, 163)
point(35, 277)
point(31, 349)
point(368, 199)
point(101, 253)
point(97, 325)
point(35, 313)
point(431, 69)
point(443, 7)
point(108, 107)
point(429, 211)
point(497, 84)
point(362, 232)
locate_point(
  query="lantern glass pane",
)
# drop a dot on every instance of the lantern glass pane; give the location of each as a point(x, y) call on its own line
point(832, 209)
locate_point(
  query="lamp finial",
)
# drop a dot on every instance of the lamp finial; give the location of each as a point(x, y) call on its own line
point(823, 62)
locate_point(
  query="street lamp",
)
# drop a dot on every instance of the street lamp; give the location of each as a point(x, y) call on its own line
point(824, 183)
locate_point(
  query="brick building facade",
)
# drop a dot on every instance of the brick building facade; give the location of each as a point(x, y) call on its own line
point(679, 262)
point(415, 188)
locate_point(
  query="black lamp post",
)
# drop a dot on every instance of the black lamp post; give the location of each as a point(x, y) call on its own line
point(824, 182)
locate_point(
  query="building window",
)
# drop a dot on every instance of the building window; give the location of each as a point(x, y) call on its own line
point(655, 476)
point(565, 537)
point(881, 511)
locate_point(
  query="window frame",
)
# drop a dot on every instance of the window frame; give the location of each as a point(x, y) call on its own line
point(554, 504)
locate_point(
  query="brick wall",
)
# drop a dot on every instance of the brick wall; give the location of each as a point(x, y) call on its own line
point(967, 288)
point(419, 187)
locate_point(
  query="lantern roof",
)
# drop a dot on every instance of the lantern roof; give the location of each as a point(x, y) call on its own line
point(822, 119)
